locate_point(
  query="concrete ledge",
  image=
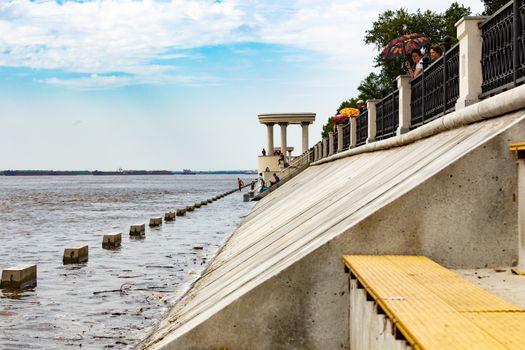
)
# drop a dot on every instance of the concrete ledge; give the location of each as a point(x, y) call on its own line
point(19, 277)
point(503, 103)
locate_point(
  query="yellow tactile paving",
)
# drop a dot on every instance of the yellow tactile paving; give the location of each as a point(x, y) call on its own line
point(518, 146)
point(424, 313)
point(506, 327)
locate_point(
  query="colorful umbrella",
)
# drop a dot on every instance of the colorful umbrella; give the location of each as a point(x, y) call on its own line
point(401, 46)
point(349, 112)
point(339, 117)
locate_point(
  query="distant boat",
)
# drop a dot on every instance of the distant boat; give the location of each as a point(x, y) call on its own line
point(188, 172)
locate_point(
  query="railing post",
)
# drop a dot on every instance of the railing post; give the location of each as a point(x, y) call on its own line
point(353, 132)
point(515, 49)
point(330, 143)
point(405, 97)
point(319, 150)
point(340, 137)
point(325, 147)
point(470, 69)
point(372, 117)
point(316, 153)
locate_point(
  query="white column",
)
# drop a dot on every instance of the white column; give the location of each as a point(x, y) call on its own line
point(353, 132)
point(315, 153)
point(283, 138)
point(340, 137)
point(325, 147)
point(470, 72)
point(372, 113)
point(405, 112)
point(304, 127)
point(269, 129)
point(330, 143)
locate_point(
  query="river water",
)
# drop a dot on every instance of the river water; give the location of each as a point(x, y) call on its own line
point(117, 296)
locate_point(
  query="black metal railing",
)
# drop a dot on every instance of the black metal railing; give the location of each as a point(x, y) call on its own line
point(346, 135)
point(503, 49)
point(362, 127)
point(387, 116)
point(312, 158)
point(336, 137)
point(436, 90)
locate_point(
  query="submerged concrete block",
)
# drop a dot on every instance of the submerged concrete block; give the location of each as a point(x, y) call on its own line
point(111, 240)
point(155, 221)
point(197, 205)
point(19, 277)
point(252, 194)
point(246, 197)
point(198, 247)
point(204, 203)
point(75, 255)
point(181, 212)
point(210, 200)
point(169, 216)
point(190, 208)
point(137, 230)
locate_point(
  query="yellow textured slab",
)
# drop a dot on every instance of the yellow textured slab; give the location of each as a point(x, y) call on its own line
point(506, 327)
point(424, 313)
point(518, 146)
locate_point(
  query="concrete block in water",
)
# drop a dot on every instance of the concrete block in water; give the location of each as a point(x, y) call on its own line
point(210, 200)
point(204, 203)
point(19, 277)
point(190, 208)
point(112, 240)
point(246, 197)
point(198, 247)
point(197, 205)
point(181, 212)
point(75, 255)
point(155, 221)
point(169, 216)
point(137, 230)
point(252, 194)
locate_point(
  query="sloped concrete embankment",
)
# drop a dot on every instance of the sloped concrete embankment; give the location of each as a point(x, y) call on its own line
point(279, 282)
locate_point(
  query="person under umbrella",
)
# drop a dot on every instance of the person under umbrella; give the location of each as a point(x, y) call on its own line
point(417, 58)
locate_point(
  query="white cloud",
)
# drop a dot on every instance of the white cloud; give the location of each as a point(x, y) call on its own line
point(108, 36)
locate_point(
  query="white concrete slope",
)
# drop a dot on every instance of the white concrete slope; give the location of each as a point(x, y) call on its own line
point(321, 203)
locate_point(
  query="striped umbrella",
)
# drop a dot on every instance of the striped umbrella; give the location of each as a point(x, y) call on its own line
point(403, 45)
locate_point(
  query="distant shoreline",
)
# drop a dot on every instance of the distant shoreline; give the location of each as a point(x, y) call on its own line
point(119, 173)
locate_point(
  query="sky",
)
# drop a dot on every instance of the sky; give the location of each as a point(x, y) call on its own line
point(173, 84)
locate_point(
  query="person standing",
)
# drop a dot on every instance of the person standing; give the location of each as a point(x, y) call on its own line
point(240, 183)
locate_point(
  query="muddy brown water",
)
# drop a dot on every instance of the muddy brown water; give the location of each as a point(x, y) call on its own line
point(114, 299)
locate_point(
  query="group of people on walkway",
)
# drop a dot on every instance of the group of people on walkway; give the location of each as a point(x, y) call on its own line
point(419, 61)
point(262, 183)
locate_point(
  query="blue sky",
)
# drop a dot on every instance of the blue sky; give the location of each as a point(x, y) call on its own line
point(172, 84)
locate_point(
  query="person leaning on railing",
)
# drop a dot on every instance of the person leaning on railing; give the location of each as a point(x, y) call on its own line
point(435, 52)
point(417, 58)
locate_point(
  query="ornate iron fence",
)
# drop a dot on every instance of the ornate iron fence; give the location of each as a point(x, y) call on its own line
point(346, 136)
point(362, 128)
point(503, 49)
point(312, 155)
point(387, 116)
point(436, 90)
point(336, 137)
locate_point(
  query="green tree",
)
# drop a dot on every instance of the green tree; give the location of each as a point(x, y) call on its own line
point(492, 6)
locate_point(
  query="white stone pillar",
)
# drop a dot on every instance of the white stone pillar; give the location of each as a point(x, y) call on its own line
point(315, 153)
point(521, 212)
point(319, 150)
point(470, 71)
point(330, 143)
point(283, 139)
point(325, 147)
point(340, 137)
point(372, 113)
point(353, 132)
point(405, 112)
point(269, 129)
point(304, 127)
